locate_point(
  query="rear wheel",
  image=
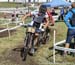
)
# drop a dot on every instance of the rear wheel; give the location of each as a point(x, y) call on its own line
point(40, 39)
point(46, 37)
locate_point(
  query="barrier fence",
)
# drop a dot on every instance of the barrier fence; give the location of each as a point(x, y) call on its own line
point(56, 46)
point(21, 10)
point(7, 24)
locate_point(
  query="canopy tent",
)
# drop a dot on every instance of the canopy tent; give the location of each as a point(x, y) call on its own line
point(57, 3)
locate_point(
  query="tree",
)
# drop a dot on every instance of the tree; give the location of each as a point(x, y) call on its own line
point(13, 0)
point(8, 0)
point(24, 3)
point(29, 1)
point(48, 0)
point(34, 1)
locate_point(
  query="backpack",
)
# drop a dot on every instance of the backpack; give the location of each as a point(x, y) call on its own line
point(72, 20)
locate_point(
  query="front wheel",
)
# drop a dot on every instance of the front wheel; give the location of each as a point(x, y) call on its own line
point(24, 54)
point(25, 50)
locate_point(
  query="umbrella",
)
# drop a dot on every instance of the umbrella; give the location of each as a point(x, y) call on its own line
point(57, 3)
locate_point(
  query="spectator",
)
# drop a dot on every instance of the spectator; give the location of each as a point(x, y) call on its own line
point(69, 20)
point(53, 12)
point(61, 14)
point(50, 16)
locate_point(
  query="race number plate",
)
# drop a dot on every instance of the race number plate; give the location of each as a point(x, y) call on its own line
point(30, 29)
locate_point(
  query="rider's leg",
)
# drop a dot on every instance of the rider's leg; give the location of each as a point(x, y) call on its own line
point(46, 35)
point(36, 39)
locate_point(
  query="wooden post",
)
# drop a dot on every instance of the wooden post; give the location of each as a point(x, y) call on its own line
point(54, 46)
point(8, 30)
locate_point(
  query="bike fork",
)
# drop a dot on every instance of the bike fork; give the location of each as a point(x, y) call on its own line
point(32, 44)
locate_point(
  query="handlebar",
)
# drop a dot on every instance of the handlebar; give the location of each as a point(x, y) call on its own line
point(25, 25)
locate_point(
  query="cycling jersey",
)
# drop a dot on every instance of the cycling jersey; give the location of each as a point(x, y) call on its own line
point(38, 17)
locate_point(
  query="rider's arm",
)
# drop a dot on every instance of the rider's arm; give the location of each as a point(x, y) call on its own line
point(29, 14)
point(25, 16)
point(66, 20)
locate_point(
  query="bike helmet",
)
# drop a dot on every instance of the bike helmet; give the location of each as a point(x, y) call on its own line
point(43, 9)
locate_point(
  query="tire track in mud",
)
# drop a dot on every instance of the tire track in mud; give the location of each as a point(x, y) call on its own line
point(13, 57)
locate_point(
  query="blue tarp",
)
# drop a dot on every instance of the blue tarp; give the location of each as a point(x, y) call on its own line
point(57, 3)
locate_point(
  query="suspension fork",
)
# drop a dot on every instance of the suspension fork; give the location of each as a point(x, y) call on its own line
point(27, 40)
point(32, 41)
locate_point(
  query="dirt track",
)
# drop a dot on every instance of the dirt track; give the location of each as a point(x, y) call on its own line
point(13, 56)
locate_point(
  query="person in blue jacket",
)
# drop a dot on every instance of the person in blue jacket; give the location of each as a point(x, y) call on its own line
point(69, 20)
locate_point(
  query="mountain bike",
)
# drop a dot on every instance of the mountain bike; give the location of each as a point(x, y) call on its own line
point(44, 35)
point(28, 41)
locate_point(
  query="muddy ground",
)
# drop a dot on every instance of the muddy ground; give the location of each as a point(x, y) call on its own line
point(14, 57)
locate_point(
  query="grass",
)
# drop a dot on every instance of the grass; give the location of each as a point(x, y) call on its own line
point(14, 39)
point(14, 5)
point(43, 56)
point(11, 4)
point(45, 52)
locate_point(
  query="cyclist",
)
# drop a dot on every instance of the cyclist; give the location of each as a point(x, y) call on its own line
point(38, 17)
